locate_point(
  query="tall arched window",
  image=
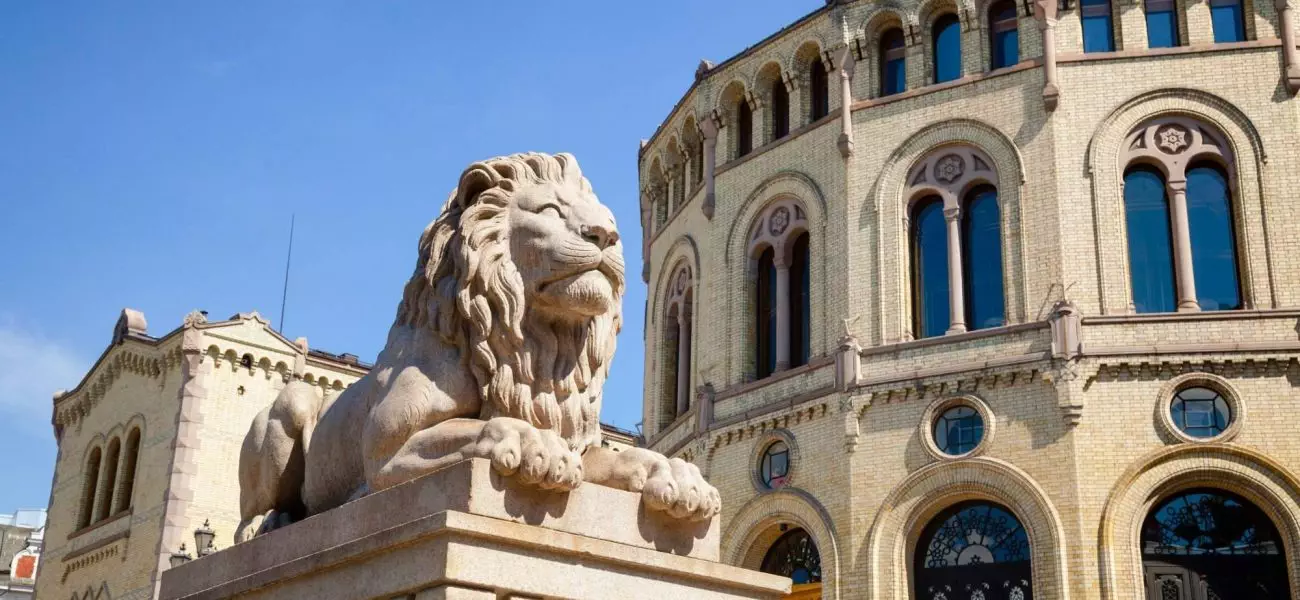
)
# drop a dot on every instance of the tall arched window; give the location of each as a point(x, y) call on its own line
point(946, 40)
point(780, 110)
point(89, 483)
point(1214, 247)
point(765, 326)
point(1228, 20)
point(744, 128)
point(930, 267)
point(126, 487)
point(1208, 543)
point(819, 88)
point(981, 242)
point(779, 245)
point(105, 502)
point(697, 160)
point(1098, 32)
point(1150, 249)
point(1004, 38)
point(799, 301)
point(893, 62)
point(977, 546)
point(678, 338)
point(1162, 23)
point(794, 555)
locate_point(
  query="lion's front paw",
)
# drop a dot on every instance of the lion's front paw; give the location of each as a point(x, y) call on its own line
point(678, 488)
point(535, 456)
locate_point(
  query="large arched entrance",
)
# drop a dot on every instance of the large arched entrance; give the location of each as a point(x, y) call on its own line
point(1208, 544)
point(795, 555)
point(974, 551)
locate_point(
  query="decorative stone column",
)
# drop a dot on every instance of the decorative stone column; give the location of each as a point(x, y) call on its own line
point(1045, 14)
point(683, 360)
point(956, 295)
point(782, 313)
point(844, 60)
point(1184, 278)
point(709, 127)
point(1290, 58)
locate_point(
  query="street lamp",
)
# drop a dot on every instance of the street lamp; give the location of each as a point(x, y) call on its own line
point(203, 537)
point(180, 557)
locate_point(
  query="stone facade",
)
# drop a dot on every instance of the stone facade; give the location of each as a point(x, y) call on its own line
point(1074, 388)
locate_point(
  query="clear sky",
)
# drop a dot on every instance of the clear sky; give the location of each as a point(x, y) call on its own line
point(152, 152)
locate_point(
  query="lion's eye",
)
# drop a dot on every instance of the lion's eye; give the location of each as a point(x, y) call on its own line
point(553, 209)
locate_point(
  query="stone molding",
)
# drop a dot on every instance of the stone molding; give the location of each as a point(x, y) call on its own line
point(750, 533)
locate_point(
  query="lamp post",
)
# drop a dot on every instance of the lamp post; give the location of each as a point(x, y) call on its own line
point(203, 538)
point(180, 557)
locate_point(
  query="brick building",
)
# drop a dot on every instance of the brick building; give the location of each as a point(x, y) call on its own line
point(959, 299)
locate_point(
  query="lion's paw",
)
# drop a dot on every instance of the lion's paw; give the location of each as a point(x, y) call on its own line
point(678, 488)
point(535, 456)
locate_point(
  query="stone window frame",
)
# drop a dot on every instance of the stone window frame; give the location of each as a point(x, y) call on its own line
point(729, 99)
point(801, 84)
point(926, 178)
point(882, 21)
point(926, 15)
point(1024, 26)
point(938, 407)
point(1180, 21)
point(89, 484)
point(769, 75)
point(679, 305)
point(759, 449)
point(766, 232)
point(1225, 389)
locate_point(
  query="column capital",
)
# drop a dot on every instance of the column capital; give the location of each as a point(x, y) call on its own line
point(1177, 185)
point(951, 213)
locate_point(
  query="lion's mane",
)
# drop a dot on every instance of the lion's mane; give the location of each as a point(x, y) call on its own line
point(467, 291)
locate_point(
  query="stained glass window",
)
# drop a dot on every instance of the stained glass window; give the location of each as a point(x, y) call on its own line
point(1208, 522)
point(973, 533)
point(794, 555)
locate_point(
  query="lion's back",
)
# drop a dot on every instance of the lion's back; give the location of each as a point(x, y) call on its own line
point(334, 461)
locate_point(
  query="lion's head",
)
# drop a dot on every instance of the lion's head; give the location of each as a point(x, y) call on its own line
point(523, 273)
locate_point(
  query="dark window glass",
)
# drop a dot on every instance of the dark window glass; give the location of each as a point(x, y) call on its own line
point(775, 466)
point(697, 162)
point(1207, 523)
point(947, 48)
point(765, 354)
point(127, 486)
point(1003, 35)
point(893, 62)
point(982, 258)
point(1226, 17)
point(1214, 248)
point(110, 479)
point(972, 534)
point(780, 110)
point(744, 128)
point(799, 302)
point(821, 93)
point(88, 489)
point(1098, 35)
point(794, 555)
point(1162, 24)
point(958, 430)
point(930, 267)
point(1200, 412)
point(1150, 250)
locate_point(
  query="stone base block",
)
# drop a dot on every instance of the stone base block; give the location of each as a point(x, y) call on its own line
point(465, 533)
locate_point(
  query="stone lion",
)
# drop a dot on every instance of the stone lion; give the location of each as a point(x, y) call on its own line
point(501, 346)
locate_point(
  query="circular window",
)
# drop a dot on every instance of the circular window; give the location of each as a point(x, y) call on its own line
point(774, 469)
point(958, 430)
point(1200, 412)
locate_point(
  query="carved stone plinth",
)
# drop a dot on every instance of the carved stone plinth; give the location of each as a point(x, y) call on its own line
point(465, 532)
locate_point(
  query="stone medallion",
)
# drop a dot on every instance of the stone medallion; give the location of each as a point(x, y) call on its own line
point(949, 168)
point(1173, 139)
point(779, 222)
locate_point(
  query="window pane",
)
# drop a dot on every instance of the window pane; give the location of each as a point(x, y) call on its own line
point(780, 110)
point(1150, 252)
point(947, 49)
point(1006, 48)
point(821, 97)
point(1162, 28)
point(895, 76)
point(744, 128)
point(893, 68)
point(982, 260)
point(930, 268)
point(1214, 254)
point(1097, 35)
point(799, 302)
point(1228, 25)
point(765, 353)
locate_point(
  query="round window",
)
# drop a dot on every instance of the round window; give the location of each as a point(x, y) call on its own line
point(1200, 412)
point(775, 467)
point(958, 430)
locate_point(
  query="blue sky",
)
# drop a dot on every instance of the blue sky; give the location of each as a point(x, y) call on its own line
point(152, 152)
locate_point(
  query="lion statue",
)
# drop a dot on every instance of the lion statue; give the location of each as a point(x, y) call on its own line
point(500, 348)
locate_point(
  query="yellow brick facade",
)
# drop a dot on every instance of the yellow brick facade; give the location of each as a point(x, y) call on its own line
point(1078, 444)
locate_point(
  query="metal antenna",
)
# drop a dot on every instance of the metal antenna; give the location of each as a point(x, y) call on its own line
point(285, 296)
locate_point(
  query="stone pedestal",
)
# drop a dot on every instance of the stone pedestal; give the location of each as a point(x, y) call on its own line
point(466, 533)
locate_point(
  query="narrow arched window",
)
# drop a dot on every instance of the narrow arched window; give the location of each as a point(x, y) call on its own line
point(1098, 34)
point(893, 62)
point(981, 245)
point(105, 502)
point(947, 48)
point(1228, 21)
point(89, 483)
point(819, 85)
point(1004, 38)
point(130, 458)
point(930, 268)
point(1150, 245)
point(780, 110)
point(1214, 247)
point(697, 160)
point(1162, 23)
point(766, 314)
point(744, 128)
point(799, 302)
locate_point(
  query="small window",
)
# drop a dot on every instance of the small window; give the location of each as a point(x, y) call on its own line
point(947, 48)
point(958, 430)
point(893, 62)
point(775, 466)
point(780, 110)
point(1098, 35)
point(1226, 17)
point(246, 361)
point(1200, 412)
point(744, 128)
point(1162, 24)
point(1003, 35)
point(821, 94)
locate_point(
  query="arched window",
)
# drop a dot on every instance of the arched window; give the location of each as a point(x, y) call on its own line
point(89, 483)
point(105, 502)
point(1162, 23)
point(946, 39)
point(930, 267)
point(977, 546)
point(1207, 543)
point(779, 245)
point(800, 342)
point(126, 487)
point(893, 62)
point(766, 314)
point(819, 88)
point(780, 110)
point(1150, 249)
point(744, 128)
point(697, 160)
point(678, 337)
point(1098, 33)
point(981, 245)
point(1214, 247)
point(1004, 38)
point(1228, 21)
point(794, 555)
